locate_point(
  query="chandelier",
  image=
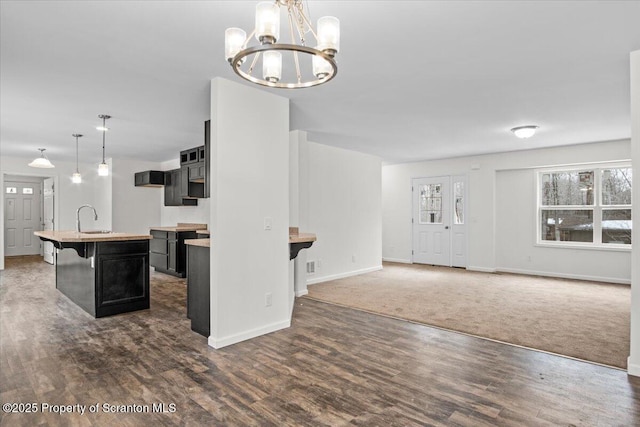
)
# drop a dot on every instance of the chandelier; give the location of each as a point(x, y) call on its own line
point(307, 66)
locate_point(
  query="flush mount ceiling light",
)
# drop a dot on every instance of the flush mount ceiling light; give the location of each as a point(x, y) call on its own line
point(525, 131)
point(42, 161)
point(103, 168)
point(76, 178)
point(319, 65)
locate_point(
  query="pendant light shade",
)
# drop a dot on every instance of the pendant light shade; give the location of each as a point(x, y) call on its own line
point(76, 178)
point(42, 161)
point(103, 168)
point(267, 22)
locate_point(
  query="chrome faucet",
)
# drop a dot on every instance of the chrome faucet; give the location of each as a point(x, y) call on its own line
point(78, 216)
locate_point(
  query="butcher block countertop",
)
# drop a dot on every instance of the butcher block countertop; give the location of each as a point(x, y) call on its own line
point(182, 227)
point(302, 237)
point(204, 243)
point(296, 237)
point(74, 236)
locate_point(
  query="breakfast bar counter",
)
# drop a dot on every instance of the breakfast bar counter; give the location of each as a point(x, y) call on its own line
point(104, 273)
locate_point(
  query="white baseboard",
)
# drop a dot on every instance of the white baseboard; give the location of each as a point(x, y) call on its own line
point(481, 269)
point(246, 335)
point(633, 368)
point(564, 275)
point(399, 260)
point(343, 275)
point(302, 293)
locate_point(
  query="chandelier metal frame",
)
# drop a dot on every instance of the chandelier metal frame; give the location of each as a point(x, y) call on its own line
point(298, 25)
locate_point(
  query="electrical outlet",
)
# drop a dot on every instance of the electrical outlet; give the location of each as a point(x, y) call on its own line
point(268, 299)
point(353, 258)
point(267, 223)
point(319, 263)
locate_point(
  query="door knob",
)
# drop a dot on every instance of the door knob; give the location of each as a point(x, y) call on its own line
point(446, 227)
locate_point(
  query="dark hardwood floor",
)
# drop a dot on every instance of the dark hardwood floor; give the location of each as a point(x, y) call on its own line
point(334, 366)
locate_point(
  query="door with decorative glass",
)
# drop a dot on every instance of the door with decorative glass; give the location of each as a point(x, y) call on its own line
point(21, 218)
point(439, 236)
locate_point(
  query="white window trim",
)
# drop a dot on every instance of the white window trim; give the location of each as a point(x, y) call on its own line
point(597, 208)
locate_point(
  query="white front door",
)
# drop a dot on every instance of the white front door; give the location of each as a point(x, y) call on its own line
point(47, 219)
point(432, 220)
point(21, 218)
point(439, 221)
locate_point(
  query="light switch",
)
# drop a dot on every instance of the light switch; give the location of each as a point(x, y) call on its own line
point(267, 223)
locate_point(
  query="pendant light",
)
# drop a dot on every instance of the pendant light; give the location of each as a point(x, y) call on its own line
point(103, 168)
point(76, 178)
point(42, 161)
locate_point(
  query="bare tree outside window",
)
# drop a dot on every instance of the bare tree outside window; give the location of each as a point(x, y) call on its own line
point(571, 200)
point(616, 186)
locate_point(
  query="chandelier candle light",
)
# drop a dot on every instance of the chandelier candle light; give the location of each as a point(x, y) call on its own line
point(320, 69)
point(103, 168)
point(42, 161)
point(76, 178)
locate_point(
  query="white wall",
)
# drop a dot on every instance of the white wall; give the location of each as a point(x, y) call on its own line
point(634, 358)
point(487, 245)
point(134, 209)
point(171, 215)
point(250, 182)
point(339, 199)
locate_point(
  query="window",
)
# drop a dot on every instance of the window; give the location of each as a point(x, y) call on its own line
point(458, 205)
point(585, 207)
point(431, 204)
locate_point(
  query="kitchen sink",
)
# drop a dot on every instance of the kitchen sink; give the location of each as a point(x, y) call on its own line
point(96, 232)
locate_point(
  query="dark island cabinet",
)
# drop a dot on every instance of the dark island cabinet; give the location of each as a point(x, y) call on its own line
point(108, 278)
point(167, 251)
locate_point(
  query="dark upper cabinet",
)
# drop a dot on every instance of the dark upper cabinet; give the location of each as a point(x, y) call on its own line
point(207, 158)
point(182, 187)
point(149, 179)
point(196, 172)
point(193, 172)
point(189, 156)
point(173, 190)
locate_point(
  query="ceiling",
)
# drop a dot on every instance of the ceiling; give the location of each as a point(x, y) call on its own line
point(417, 79)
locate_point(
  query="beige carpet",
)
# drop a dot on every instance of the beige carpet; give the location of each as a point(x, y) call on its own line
point(585, 320)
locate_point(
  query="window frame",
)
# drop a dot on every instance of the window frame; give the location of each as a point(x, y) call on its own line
point(597, 208)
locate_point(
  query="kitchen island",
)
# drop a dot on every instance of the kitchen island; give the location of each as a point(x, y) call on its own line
point(103, 273)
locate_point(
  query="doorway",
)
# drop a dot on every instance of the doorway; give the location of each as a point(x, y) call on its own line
point(22, 216)
point(439, 224)
point(48, 200)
